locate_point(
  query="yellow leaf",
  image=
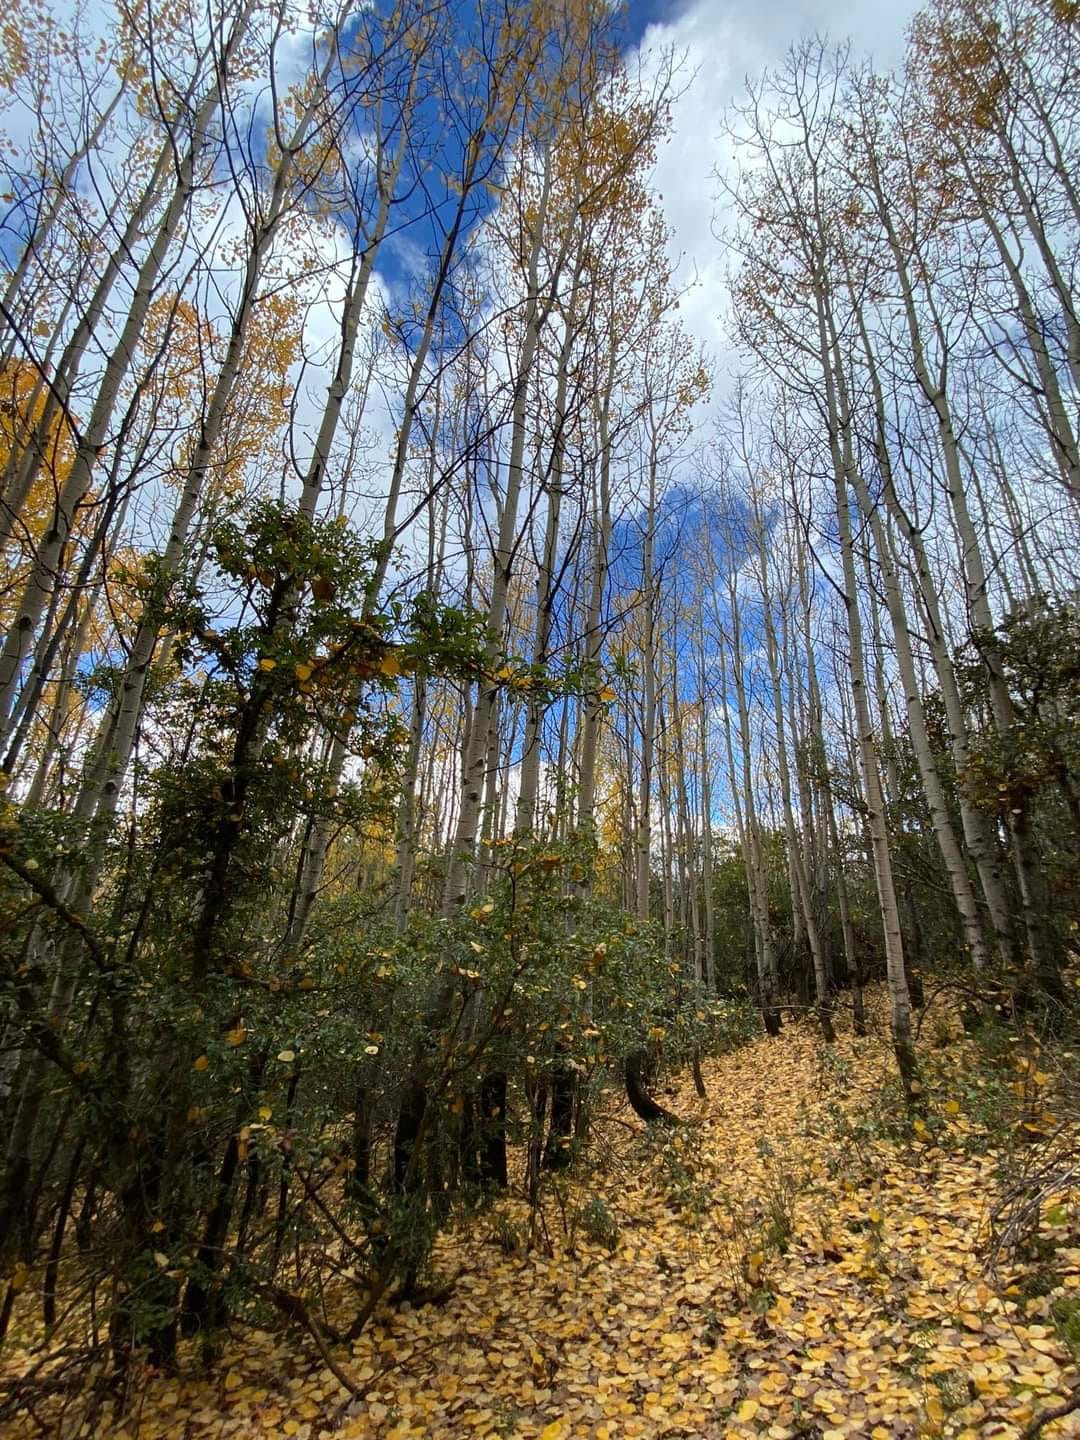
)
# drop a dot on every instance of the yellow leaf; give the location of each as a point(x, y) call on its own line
point(265, 1112)
point(303, 672)
point(747, 1410)
point(201, 1063)
point(606, 694)
point(236, 1036)
point(286, 1056)
point(952, 1107)
point(390, 665)
point(553, 1431)
point(267, 664)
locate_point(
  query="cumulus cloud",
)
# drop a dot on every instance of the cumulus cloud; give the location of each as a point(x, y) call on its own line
point(723, 44)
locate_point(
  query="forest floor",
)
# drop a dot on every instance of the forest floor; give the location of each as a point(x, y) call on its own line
point(794, 1260)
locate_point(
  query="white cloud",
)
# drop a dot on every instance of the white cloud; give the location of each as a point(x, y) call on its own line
point(722, 46)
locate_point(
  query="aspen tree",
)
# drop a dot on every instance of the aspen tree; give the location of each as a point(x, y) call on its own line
point(94, 434)
point(788, 204)
point(930, 347)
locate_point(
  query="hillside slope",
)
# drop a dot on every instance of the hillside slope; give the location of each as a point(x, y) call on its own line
point(790, 1261)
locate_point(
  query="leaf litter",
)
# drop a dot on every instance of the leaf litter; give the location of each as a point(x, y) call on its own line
point(771, 1267)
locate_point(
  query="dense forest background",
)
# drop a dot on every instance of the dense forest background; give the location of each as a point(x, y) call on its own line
point(433, 695)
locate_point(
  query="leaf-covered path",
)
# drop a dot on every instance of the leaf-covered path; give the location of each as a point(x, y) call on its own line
point(782, 1266)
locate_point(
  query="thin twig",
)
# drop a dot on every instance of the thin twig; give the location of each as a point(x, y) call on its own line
point(1053, 1412)
point(294, 1308)
point(48, 894)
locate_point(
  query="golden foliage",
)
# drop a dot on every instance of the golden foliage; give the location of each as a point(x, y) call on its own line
point(23, 397)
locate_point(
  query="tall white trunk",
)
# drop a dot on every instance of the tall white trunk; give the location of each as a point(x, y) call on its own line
point(839, 426)
point(538, 307)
